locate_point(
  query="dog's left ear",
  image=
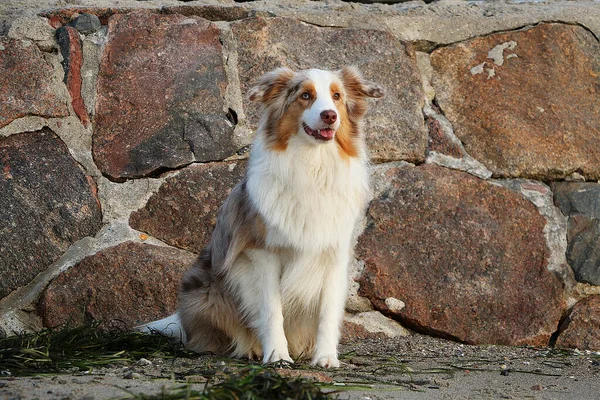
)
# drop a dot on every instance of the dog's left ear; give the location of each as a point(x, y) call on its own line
point(357, 86)
point(270, 85)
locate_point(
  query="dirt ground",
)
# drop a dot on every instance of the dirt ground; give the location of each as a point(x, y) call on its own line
point(415, 367)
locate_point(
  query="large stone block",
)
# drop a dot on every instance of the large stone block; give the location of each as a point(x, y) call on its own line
point(46, 203)
point(184, 211)
point(161, 89)
point(466, 258)
point(581, 329)
point(132, 283)
point(27, 86)
point(522, 101)
point(394, 125)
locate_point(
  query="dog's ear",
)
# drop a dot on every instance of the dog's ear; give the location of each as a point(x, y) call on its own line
point(357, 86)
point(270, 85)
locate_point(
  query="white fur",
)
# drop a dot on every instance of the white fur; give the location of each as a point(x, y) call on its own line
point(322, 81)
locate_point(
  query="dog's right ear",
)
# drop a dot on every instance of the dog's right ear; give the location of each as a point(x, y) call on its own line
point(270, 85)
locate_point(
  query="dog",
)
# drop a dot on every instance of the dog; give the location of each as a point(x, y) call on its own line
point(272, 282)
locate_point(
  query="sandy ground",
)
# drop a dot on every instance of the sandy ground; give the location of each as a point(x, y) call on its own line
point(416, 367)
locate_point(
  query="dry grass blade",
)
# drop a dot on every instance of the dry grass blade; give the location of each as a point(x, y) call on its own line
point(81, 348)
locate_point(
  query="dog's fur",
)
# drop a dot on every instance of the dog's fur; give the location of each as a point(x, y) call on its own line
point(272, 282)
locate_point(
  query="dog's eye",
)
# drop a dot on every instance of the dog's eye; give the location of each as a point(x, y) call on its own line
point(305, 96)
point(336, 96)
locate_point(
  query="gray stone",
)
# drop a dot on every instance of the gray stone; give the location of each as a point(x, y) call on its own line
point(86, 23)
point(581, 202)
point(46, 204)
point(583, 250)
point(577, 198)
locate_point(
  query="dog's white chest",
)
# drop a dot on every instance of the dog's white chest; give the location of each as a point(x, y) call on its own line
point(309, 200)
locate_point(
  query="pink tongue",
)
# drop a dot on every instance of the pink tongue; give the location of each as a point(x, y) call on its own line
point(326, 133)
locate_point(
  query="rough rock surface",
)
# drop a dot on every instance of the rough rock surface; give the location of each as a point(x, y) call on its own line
point(63, 16)
point(184, 211)
point(72, 52)
point(394, 125)
point(520, 100)
point(575, 198)
point(161, 90)
point(583, 249)
point(86, 23)
point(466, 257)
point(132, 283)
point(46, 204)
point(581, 329)
point(581, 202)
point(26, 83)
point(211, 12)
point(370, 325)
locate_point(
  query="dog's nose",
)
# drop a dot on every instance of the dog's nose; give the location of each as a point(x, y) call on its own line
point(329, 116)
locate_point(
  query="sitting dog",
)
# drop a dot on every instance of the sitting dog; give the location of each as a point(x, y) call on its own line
point(272, 282)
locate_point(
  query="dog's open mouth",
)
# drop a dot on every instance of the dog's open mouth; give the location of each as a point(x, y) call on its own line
point(319, 134)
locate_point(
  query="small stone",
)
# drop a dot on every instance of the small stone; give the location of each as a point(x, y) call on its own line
point(71, 50)
point(133, 375)
point(144, 362)
point(393, 304)
point(86, 23)
point(537, 387)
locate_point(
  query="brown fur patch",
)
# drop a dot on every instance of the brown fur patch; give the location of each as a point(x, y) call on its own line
point(286, 122)
point(347, 133)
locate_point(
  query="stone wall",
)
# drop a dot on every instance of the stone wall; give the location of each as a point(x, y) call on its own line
point(123, 129)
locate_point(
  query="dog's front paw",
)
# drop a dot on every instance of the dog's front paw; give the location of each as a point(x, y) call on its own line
point(329, 361)
point(277, 356)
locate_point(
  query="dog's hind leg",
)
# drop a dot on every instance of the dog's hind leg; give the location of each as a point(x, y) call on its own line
point(255, 278)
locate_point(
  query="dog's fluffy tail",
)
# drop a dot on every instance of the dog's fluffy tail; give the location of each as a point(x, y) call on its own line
point(169, 326)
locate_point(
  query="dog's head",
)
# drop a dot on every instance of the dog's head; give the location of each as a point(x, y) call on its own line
point(320, 106)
